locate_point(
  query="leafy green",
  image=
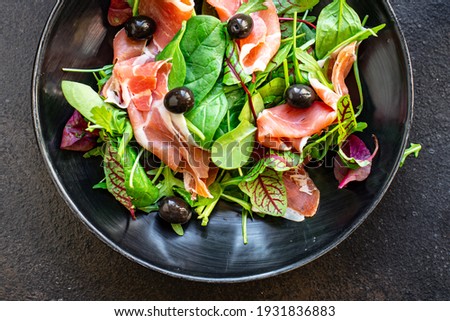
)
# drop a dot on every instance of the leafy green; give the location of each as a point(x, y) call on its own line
point(272, 93)
point(134, 4)
point(413, 149)
point(172, 51)
point(267, 193)
point(203, 48)
point(336, 23)
point(208, 204)
point(258, 105)
point(177, 228)
point(346, 117)
point(208, 114)
point(233, 150)
point(233, 71)
point(138, 186)
point(102, 74)
point(310, 65)
point(290, 6)
point(115, 178)
point(252, 6)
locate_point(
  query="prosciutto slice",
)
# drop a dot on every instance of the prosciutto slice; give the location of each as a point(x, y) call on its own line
point(140, 85)
point(302, 194)
point(126, 48)
point(168, 15)
point(283, 127)
point(262, 44)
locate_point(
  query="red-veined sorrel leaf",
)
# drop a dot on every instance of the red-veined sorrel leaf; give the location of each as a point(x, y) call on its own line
point(115, 178)
point(346, 117)
point(267, 193)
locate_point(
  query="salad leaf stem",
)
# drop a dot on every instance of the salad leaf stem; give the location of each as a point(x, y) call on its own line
point(238, 201)
point(194, 129)
point(244, 225)
point(136, 8)
point(298, 75)
point(158, 173)
point(286, 73)
point(306, 22)
point(133, 169)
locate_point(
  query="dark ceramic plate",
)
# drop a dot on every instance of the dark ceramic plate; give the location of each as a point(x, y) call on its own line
point(77, 35)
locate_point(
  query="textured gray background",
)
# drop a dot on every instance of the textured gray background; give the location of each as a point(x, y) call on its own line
point(400, 252)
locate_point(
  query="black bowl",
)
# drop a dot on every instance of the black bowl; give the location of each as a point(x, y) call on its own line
point(77, 35)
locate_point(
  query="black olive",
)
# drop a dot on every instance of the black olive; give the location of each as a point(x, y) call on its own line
point(140, 28)
point(175, 210)
point(300, 96)
point(179, 100)
point(240, 26)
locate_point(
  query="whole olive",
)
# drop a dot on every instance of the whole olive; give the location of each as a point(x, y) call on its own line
point(300, 96)
point(179, 100)
point(240, 26)
point(140, 28)
point(175, 210)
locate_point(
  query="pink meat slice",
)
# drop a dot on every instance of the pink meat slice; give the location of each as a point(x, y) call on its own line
point(262, 44)
point(168, 15)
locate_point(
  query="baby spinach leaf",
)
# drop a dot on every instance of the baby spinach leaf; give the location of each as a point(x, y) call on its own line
point(252, 6)
point(83, 98)
point(203, 48)
point(233, 150)
point(290, 6)
point(172, 51)
point(208, 114)
point(138, 185)
point(336, 23)
point(267, 193)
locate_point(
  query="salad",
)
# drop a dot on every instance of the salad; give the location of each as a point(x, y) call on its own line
point(231, 102)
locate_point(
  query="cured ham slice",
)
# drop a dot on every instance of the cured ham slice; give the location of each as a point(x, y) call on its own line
point(126, 48)
point(288, 125)
point(141, 85)
point(302, 194)
point(341, 67)
point(119, 11)
point(262, 44)
point(168, 15)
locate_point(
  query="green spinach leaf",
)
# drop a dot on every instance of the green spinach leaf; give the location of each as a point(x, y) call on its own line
point(203, 48)
point(336, 23)
point(252, 6)
point(233, 150)
point(172, 51)
point(208, 114)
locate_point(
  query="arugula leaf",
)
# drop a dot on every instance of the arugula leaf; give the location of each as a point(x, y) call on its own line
point(203, 48)
point(267, 193)
point(413, 149)
point(172, 51)
point(251, 6)
point(208, 204)
point(310, 65)
point(233, 150)
point(274, 63)
point(282, 161)
point(208, 114)
point(167, 185)
point(336, 23)
point(113, 120)
point(291, 6)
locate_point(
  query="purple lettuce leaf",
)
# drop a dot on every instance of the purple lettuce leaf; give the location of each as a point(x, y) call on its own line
point(356, 151)
point(75, 137)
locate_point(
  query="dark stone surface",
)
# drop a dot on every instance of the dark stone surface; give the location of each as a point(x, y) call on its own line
point(401, 252)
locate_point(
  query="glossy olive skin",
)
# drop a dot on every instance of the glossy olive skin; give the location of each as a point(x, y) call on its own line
point(300, 96)
point(179, 100)
point(175, 210)
point(140, 28)
point(240, 26)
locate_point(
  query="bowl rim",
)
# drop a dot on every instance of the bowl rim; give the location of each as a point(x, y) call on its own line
point(35, 85)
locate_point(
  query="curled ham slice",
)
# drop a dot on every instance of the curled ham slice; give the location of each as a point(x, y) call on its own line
point(168, 15)
point(262, 44)
point(140, 85)
point(302, 194)
point(284, 127)
point(126, 48)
